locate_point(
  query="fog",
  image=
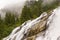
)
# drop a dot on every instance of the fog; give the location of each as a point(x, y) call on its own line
point(4, 3)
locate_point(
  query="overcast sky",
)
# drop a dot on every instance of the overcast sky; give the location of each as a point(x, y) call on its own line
point(3, 3)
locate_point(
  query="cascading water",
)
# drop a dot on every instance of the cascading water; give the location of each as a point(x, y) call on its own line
point(18, 32)
point(52, 31)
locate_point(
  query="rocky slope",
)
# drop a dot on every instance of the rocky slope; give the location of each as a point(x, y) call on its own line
point(30, 29)
point(45, 27)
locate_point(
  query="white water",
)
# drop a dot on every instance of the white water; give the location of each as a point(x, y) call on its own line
point(25, 27)
point(53, 31)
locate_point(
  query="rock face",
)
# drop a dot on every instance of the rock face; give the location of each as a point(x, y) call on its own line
point(53, 30)
point(30, 29)
point(45, 27)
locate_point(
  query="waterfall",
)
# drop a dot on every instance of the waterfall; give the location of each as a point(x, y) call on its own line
point(19, 32)
point(53, 30)
point(51, 21)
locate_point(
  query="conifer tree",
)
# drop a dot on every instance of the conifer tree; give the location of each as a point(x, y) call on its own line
point(25, 14)
point(9, 18)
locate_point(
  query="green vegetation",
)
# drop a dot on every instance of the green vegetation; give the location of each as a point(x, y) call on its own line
point(34, 10)
point(31, 12)
point(8, 24)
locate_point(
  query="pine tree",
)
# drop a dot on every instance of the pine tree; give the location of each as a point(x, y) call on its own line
point(9, 18)
point(0, 19)
point(25, 14)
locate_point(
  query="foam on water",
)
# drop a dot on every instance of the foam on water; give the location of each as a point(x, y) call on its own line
point(25, 27)
point(53, 31)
